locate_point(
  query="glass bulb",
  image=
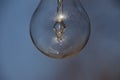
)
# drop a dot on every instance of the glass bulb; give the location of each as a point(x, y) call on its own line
point(60, 28)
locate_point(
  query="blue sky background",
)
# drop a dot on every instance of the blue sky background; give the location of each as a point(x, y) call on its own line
point(20, 60)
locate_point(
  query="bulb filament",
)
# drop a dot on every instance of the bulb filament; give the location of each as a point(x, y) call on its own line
point(59, 25)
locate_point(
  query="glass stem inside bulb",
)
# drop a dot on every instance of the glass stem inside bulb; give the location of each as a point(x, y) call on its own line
point(59, 25)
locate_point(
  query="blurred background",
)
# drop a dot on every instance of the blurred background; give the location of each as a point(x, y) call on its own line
point(20, 60)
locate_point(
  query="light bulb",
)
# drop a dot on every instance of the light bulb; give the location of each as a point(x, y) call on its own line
point(60, 28)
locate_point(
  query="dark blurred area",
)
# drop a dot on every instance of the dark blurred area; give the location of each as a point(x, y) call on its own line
point(20, 60)
point(116, 3)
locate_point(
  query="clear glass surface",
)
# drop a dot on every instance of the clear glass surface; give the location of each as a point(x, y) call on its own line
point(60, 28)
